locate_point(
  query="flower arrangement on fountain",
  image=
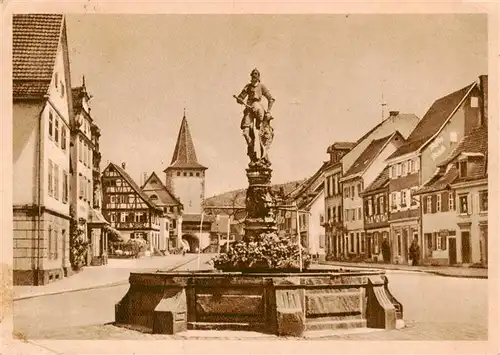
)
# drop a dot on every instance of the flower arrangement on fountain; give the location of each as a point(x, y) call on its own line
point(268, 252)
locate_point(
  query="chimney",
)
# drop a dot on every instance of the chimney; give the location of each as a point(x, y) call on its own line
point(393, 113)
point(483, 86)
point(124, 165)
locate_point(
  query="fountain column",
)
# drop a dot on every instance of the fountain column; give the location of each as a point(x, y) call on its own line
point(260, 203)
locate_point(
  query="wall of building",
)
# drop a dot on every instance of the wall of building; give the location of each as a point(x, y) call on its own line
point(316, 231)
point(189, 189)
point(441, 147)
point(433, 223)
point(351, 203)
point(473, 220)
point(379, 163)
point(25, 123)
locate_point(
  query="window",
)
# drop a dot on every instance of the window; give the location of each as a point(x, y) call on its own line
point(65, 187)
point(56, 80)
point(184, 174)
point(112, 199)
point(56, 131)
point(403, 168)
point(429, 203)
point(413, 198)
point(62, 89)
point(123, 217)
point(197, 174)
point(369, 210)
point(80, 144)
point(403, 198)
point(346, 192)
point(438, 203)
point(464, 203)
point(113, 217)
point(393, 200)
point(191, 173)
point(51, 124)
point(463, 168)
point(474, 101)
point(352, 191)
point(360, 213)
point(50, 179)
point(63, 138)
point(362, 242)
point(56, 182)
point(483, 201)
point(359, 189)
point(451, 201)
point(394, 171)
point(352, 243)
point(399, 169)
point(411, 166)
point(137, 217)
point(80, 184)
point(178, 173)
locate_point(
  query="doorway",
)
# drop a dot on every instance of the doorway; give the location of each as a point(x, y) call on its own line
point(452, 251)
point(465, 247)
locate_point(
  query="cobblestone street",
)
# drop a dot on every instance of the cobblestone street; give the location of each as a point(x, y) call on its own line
point(435, 308)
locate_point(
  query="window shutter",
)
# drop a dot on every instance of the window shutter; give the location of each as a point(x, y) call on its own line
point(433, 203)
point(434, 241)
point(425, 204)
point(444, 201)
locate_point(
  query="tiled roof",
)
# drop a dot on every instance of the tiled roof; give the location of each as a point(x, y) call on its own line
point(402, 117)
point(134, 186)
point(184, 152)
point(34, 48)
point(369, 154)
point(158, 188)
point(380, 182)
point(432, 121)
point(440, 181)
point(299, 190)
point(475, 142)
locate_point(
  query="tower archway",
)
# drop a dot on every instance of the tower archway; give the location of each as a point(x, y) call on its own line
point(193, 241)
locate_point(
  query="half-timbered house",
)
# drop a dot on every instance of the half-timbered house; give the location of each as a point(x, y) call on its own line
point(128, 208)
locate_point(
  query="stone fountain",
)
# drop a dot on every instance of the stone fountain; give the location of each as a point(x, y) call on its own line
point(249, 295)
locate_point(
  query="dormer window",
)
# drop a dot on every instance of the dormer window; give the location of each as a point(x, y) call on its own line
point(462, 168)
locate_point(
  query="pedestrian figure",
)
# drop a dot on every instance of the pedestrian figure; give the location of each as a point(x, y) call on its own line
point(386, 251)
point(415, 252)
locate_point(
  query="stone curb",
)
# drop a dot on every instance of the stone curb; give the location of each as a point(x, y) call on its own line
point(110, 284)
point(395, 268)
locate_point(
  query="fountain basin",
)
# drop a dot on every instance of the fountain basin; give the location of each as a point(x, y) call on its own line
point(284, 304)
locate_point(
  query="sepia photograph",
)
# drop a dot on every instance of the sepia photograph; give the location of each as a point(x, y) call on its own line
point(277, 177)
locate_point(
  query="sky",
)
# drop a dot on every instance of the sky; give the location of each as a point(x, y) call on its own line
point(328, 74)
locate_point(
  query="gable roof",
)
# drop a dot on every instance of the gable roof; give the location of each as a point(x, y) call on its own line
point(298, 191)
point(475, 142)
point(184, 153)
point(133, 185)
point(380, 182)
point(432, 122)
point(34, 48)
point(370, 153)
point(163, 193)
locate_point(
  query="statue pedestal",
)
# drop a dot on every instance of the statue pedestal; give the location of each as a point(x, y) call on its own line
point(260, 203)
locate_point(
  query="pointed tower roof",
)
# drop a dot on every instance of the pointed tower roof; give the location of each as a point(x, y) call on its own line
point(184, 154)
